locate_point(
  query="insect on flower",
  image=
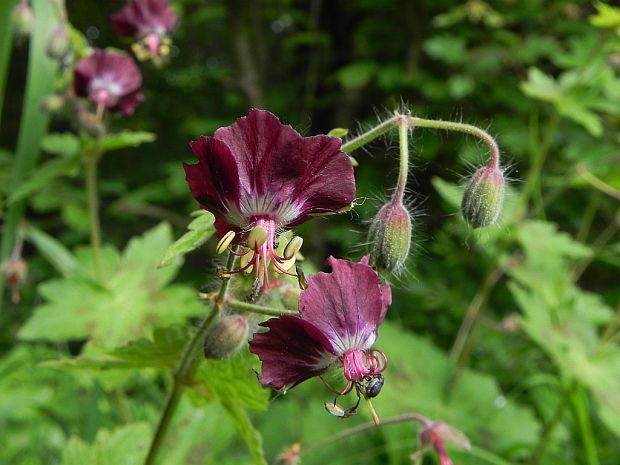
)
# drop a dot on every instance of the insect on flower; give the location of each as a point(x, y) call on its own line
point(339, 313)
point(260, 178)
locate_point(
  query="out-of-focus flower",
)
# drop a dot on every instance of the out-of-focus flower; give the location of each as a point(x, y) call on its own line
point(259, 178)
point(58, 43)
point(22, 20)
point(339, 313)
point(15, 271)
point(435, 434)
point(149, 22)
point(110, 80)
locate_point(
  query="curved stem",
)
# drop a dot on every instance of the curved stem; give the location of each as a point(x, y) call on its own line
point(465, 128)
point(92, 161)
point(186, 368)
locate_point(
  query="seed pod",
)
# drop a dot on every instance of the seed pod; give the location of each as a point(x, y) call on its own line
point(390, 236)
point(484, 197)
point(226, 337)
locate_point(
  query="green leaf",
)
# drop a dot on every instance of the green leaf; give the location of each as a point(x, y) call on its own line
point(44, 175)
point(125, 139)
point(541, 86)
point(356, 75)
point(133, 298)
point(243, 424)
point(200, 230)
point(338, 132)
point(606, 16)
point(126, 445)
point(450, 49)
point(6, 42)
point(53, 251)
point(65, 144)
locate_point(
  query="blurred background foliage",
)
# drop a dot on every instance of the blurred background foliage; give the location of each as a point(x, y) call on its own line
point(508, 333)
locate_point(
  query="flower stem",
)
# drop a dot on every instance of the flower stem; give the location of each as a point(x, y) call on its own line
point(580, 411)
point(92, 161)
point(481, 134)
point(369, 136)
point(260, 309)
point(186, 368)
point(403, 170)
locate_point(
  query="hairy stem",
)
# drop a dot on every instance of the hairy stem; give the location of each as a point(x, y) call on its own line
point(92, 161)
point(186, 369)
point(403, 170)
point(260, 309)
point(369, 136)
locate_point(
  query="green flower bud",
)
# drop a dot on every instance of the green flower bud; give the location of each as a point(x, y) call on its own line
point(226, 337)
point(58, 43)
point(23, 20)
point(484, 197)
point(390, 236)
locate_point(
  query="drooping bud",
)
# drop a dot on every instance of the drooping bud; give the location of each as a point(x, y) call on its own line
point(58, 43)
point(435, 434)
point(484, 197)
point(15, 271)
point(389, 236)
point(23, 20)
point(226, 337)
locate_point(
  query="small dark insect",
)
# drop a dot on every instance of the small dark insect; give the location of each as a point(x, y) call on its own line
point(255, 290)
point(372, 385)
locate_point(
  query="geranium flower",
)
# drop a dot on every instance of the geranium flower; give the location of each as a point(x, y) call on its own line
point(339, 313)
point(260, 177)
point(149, 21)
point(110, 80)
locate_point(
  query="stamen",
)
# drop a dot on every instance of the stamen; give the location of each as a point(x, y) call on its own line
point(224, 242)
point(293, 246)
point(257, 237)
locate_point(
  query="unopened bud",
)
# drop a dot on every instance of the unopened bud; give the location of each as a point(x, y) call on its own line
point(58, 43)
point(390, 236)
point(484, 197)
point(226, 337)
point(53, 103)
point(23, 19)
point(15, 271)
point(257, 237)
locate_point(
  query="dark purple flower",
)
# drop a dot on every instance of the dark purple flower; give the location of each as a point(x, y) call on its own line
point(260, 177)
point(110, 80)
point(339, 313)
point(149, 21)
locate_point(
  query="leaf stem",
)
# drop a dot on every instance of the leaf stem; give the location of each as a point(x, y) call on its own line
point(369, 136)
point(580, 411)
point(92, 161)
point(186, 369)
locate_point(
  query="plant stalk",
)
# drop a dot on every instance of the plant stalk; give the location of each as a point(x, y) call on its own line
point(186, 368)
point(260, 309)
point(92, 161)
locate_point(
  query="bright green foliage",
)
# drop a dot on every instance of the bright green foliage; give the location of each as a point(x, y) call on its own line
point(200, 230)
point(124, 445)
point(132, 299)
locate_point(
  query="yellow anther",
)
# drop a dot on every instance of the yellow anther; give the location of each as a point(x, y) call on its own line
point(257, 237)
point(293, 246)
point(286, 265)
point(224, 242)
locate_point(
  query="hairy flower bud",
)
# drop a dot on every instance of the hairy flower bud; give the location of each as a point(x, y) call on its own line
point(58, 43)
point(484, 197)
point(390, 236)
point(23, 20)
point(226, 337)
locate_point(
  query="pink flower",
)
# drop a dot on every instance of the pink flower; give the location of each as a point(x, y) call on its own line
point(110, 80)
point(339, 313)
point(149, 21)
point(260, 177)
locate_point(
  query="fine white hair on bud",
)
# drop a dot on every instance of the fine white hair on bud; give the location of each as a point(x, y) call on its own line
point(226, 337)
point(389, 236)
point(483, 199)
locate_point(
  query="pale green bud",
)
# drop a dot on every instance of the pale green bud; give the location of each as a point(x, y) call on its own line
point(483, 199)
point(390, 236)
point(226, 337)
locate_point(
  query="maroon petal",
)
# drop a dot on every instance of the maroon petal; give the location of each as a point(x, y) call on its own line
point(254, 140)
point(324, 181)
point(213, 181)
point(292, 351)
point(140, 17)
point(347, 304)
